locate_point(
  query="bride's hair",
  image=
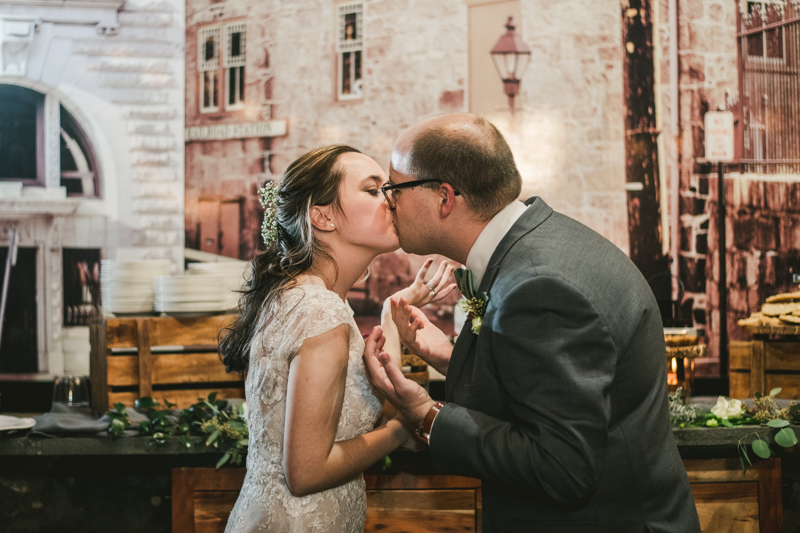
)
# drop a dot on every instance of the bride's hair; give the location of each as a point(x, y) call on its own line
point(313, 179)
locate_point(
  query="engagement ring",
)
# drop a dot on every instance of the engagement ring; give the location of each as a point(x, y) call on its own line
point(431, 289)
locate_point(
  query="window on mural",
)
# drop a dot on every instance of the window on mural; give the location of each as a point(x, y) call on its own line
point(22, 141)
point(78, 166)
point(20, 135)
point(350, 50)
point(234, 65)
point(208, 66)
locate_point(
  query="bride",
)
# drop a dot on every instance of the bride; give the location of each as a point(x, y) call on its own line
point(315, 421)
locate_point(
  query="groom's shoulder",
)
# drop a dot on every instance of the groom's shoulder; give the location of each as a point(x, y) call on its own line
point(562, 247)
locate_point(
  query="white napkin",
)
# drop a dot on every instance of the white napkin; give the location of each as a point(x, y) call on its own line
point(13, 422)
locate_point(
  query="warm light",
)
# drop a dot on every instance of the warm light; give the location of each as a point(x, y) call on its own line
point(672, 377)
point(510, 56)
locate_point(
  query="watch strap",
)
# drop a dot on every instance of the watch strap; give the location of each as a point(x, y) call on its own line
point(424, 431)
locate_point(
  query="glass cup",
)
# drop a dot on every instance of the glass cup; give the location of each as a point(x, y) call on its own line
point(72, 391)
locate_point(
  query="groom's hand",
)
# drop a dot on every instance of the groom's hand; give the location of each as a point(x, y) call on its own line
point(407, 396)
point(420, 336)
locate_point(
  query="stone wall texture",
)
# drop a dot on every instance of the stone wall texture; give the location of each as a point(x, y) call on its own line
point(567, 135)
point(762, 210)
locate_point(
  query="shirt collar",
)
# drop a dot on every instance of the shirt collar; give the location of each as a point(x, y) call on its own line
point(481, 252)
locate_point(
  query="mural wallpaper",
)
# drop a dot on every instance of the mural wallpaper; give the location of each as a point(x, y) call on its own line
point(607, 126)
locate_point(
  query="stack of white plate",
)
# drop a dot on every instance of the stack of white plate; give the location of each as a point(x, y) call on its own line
point(127, 286)
point(190, 294)
point(234, 273)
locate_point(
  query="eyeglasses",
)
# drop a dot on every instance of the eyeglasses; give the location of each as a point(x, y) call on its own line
point(388, 190)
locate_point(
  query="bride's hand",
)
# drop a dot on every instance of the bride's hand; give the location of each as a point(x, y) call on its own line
point(419, 293)
point(412, 442)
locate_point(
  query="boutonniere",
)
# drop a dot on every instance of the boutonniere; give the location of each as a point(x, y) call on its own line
point(474, 304)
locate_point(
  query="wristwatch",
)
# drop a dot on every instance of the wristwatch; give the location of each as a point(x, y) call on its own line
point(424, 431)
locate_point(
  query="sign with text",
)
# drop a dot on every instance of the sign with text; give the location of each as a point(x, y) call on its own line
point(719, 136)
point(270, 128)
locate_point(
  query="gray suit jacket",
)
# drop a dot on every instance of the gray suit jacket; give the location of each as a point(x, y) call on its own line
point(560, 406)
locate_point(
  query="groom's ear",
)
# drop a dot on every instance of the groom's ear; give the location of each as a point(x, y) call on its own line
point(320, 218)
point(447, 199)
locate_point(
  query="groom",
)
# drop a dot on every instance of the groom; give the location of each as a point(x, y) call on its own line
point(558, 402)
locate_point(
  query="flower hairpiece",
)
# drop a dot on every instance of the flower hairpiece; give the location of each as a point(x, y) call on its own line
point(269, 201)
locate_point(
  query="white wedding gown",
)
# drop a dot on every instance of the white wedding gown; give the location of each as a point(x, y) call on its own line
point(265, 503)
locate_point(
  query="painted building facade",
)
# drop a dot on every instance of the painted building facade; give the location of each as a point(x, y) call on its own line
point(92, 135)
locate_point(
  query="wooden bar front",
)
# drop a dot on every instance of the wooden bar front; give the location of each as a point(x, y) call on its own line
point(727, 499)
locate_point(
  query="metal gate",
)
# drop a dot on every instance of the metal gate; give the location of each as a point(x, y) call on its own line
point(769, 86)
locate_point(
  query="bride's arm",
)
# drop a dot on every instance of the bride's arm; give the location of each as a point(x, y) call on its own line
point(312, 461)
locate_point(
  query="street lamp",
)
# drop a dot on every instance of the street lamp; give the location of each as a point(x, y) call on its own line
point(510, 56)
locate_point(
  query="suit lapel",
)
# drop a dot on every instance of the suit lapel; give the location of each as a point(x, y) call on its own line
point(537, 212)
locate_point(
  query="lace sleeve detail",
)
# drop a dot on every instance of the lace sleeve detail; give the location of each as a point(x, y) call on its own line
point(316, 311)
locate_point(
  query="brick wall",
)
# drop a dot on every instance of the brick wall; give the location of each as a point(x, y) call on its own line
point(763, 245)
point(762, 240)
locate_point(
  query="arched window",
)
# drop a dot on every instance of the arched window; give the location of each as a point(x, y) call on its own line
point(23, 138)
point(78, 161)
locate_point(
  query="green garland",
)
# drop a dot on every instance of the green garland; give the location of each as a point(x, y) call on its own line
point(765, 412)
point(209, 421)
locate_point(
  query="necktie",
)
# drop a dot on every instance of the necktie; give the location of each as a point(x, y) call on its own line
point(465, 282)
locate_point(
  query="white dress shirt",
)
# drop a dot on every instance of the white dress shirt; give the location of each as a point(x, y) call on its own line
point(481, 252)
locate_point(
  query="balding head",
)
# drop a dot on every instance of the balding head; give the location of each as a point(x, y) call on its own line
point(467, 152)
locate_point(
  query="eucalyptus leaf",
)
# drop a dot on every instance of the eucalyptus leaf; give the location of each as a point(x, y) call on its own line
point(146, 403)
point(786, 438)
point(224, 459)
point(778, 423)
point(761, 449)
point(212, 437)
point(744, 467)
point(746, 456)
point(775, 391)
point(117, 427)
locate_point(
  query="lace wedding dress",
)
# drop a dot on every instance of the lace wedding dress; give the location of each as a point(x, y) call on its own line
point(265, 503)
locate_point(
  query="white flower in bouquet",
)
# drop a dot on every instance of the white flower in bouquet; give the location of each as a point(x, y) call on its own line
point(727, 408)
point(459, 314)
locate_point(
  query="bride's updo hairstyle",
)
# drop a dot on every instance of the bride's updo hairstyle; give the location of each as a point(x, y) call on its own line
point(313, 179)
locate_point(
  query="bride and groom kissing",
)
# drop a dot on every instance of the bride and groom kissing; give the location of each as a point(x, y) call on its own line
point(556, 388)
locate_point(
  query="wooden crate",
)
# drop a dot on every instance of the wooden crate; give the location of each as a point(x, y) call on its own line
point(166, 358)
point(761, 365)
